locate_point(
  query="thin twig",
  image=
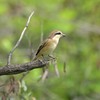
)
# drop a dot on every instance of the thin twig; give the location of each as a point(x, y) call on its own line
point(56, 67)
point(20, 38)
point(30, 48)
point(41, 31)
point(45, 74)
point(64, 67)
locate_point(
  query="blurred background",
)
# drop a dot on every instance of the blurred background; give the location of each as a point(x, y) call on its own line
point(80, 51)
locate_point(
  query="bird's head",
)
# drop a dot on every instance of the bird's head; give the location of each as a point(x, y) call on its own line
point(56, 35)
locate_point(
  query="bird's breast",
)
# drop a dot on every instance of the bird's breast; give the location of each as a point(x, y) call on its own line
point(53, 44)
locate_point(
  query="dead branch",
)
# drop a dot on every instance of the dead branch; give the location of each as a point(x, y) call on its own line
point(19, 68)
point(11, 69)
point(56, 67)
point(64, 67)
point(20, 38)
point(45, 74)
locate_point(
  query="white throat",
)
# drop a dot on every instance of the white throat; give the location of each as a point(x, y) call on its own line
point(56, 38)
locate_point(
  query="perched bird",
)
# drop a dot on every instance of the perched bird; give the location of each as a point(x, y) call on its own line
point(49, 45)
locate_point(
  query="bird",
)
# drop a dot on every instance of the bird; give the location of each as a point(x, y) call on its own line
point(47, 47)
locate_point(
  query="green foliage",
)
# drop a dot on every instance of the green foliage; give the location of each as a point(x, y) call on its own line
point(80, 21)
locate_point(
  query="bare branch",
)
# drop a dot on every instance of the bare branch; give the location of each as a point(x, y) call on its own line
point(45, 74)
point(18, 42)
point(41, 31)
point(19, 68)
point(56, 67)
point(64, 67)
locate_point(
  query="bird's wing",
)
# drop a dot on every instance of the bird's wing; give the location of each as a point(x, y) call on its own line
point(41, 46)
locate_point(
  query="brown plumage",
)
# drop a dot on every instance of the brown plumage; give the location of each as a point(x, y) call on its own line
point(48, 46)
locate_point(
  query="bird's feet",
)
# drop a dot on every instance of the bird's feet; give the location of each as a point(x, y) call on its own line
point(51, 57)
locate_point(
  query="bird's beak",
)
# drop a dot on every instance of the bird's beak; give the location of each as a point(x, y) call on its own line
point(64, 35)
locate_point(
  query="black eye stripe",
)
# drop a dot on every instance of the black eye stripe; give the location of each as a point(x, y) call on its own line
point(58, 33)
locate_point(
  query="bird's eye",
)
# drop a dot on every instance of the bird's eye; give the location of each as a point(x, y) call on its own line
point(58, 33)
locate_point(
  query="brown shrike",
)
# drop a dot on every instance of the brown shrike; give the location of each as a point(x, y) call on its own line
point(49, 45)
